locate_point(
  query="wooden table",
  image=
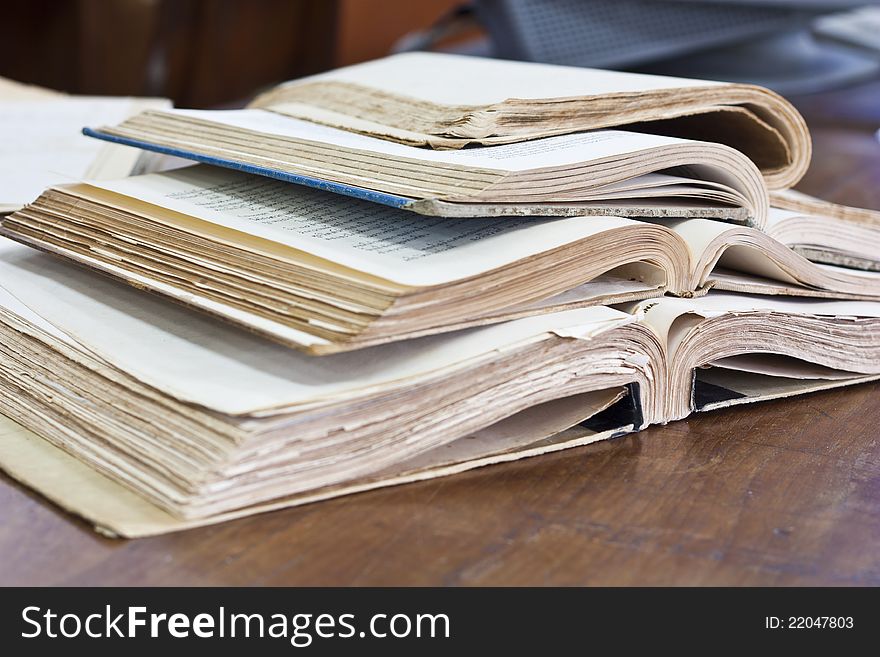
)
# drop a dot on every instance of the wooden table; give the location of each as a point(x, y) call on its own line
point(784, 492)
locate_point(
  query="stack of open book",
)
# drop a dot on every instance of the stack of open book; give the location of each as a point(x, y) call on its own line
point(410, 268)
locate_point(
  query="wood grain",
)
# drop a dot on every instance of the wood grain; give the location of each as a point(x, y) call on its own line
point(779, 493)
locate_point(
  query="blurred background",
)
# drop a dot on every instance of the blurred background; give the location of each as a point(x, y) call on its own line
point(207, 53)
point(199, 53)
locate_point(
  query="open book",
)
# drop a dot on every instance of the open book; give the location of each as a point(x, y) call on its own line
point(451, 101)
point(326, 273)
point(827, 232)
point(151, 418)
point(42, 142)
point(361, 131)
point(602, 172)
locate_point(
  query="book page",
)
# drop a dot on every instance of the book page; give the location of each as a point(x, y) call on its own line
point(791, 227)
point(742, 249)
point(458, 80)
point(563, 150)
point(536, 426)
point(392, 244)
point(778, 365)
point(697, 234)
point(115, 510)
point(751, 388)
point(197, 359)
point(776, 216)
point(827, 240)
point(671, 318)
point(716, 304)
point(43, 144)
point(790, 199)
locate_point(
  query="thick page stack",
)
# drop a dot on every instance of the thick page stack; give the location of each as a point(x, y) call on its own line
point(601, 172)
point(410, 268)
point(688, 148)
point(450, 101)
point(140, 391)
point(204, 419)
point(325, 273)
point(794, 201)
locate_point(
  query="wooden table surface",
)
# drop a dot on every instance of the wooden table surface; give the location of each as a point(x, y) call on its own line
point(783, 492)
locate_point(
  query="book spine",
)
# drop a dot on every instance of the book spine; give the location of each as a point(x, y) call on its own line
point(401, 202)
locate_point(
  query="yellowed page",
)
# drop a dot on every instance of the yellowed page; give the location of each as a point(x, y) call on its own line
point(447, 101)
point(564, 150)
point(672, 318)
point(116, 511)
point(700, 234)
point(836, 240)
point(719, 303)
point(790, 199)
point(757, 387)
point(196, 359)
point(784, 366)
point(458, 80)
point(375, 239)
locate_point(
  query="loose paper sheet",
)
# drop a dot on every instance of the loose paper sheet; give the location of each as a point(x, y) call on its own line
point(42, 144)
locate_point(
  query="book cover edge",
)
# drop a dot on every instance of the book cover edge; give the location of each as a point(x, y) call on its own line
point(401, 202)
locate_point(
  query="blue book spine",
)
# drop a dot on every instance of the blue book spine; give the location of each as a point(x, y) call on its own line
point(392, 200)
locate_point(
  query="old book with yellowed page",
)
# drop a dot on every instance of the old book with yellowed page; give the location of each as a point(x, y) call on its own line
point(591, 173)
point(145, 418)
point(452, 101)
point(325, 273)
point(448, 135)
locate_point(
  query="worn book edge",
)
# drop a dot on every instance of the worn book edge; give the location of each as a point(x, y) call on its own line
point(347, 190)
point(115, 511)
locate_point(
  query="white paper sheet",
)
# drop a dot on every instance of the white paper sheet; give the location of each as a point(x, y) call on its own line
point(41, 143)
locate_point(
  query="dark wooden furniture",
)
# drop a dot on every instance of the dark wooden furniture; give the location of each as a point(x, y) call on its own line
point(199, 53)
point(783, 493)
